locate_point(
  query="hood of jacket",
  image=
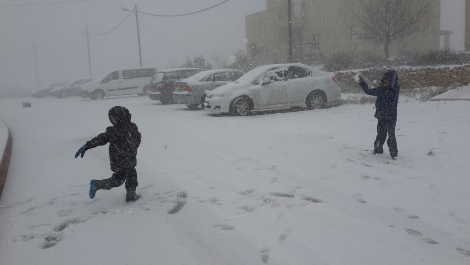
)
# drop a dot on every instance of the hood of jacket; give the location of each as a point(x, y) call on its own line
point(119, 115)
point(390, 78)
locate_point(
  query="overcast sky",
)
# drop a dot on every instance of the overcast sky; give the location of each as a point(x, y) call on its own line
point(163, 40)
point(62, 52)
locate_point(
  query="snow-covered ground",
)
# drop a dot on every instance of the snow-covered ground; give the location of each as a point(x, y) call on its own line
point(278, 188)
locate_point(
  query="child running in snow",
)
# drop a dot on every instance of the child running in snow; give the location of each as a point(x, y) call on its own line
point(124, 139)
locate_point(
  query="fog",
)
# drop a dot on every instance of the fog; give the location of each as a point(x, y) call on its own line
point(57, 31)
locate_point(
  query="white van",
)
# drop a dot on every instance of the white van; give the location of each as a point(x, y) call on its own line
point(120, 82)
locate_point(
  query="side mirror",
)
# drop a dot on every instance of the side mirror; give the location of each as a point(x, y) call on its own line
point(266, 81)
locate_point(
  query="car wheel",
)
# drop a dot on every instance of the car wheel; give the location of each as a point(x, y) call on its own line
point(165, 97)
point(97, 94)
point(164, 100)
point(192, 106)
point(315, 100)
point(202, 102)
point(241, 106)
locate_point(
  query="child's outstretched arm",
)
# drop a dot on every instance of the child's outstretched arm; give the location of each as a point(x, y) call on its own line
point(101, 139)
point(369, 91)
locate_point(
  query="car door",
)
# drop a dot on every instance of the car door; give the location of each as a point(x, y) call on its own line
point(131, 82)
point(273, 94)
point(299, 83)
point(112, 84)
point(220, 79)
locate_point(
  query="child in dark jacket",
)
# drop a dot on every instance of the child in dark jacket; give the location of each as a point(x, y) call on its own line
point(124, 139)
point(385, 110)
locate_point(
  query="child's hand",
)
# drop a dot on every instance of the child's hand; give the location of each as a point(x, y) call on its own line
point(81, 151)
point(358, 78)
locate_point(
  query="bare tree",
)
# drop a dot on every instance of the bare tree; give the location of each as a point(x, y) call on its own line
point(387, 21)
point(216, 57)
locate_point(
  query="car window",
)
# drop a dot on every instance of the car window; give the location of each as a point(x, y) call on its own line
point(298, 72)
point(188, 73)
point(158, 77)
point(222, 77)
point(236, 75)
point(276, 74)
point(210, 78)
point(146, 72)
point(112, 76)
point(137, 73)
point(170, 75)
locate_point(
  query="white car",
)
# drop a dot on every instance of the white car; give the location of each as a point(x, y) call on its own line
point(272, 87)
point(120, 82)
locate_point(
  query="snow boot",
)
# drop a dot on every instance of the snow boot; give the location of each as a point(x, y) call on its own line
point(93, 188)
point(394, 155)
point(131, 196)
point(378, 151)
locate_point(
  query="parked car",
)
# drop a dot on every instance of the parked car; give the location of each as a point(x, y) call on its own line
point(120, 82)
point(70, 89)
point(163, 83)
point(44, 92)
point(274, 87)
point(191, 91)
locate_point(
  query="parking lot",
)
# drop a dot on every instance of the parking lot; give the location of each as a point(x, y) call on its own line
point(297, 187)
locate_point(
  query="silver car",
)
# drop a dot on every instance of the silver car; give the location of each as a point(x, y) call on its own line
point(271, 87)
point(191, 91)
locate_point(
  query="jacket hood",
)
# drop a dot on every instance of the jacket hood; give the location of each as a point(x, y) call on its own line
point(391, 76)
point(119, 115)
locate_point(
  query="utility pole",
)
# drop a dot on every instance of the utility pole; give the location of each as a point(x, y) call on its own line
point(289, 18)
point(138, 33)
point(89, 57)
point(36, 64)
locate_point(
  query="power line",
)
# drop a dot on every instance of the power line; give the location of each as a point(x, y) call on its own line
point(70, 42)
point(185, 14)
point(82, 34)
point(45, 3)
point(104, 33)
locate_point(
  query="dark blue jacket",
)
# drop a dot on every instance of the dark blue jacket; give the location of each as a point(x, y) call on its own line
point(123, 138)
point(387, 96)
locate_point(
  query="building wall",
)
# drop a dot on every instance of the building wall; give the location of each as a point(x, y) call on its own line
point(324, 21)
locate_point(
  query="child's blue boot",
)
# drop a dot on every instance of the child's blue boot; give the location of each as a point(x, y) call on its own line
point(93, 188)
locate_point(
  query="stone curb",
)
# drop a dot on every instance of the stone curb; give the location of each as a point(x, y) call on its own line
point(5, 161)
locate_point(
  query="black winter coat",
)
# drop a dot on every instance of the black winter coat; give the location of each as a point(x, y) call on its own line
point(123, 138)
point(387, 98)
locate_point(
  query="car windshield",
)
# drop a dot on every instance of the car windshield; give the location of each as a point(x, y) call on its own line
point(158, 76)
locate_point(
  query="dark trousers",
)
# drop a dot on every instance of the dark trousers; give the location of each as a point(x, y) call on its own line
point(126, 175)
point(384, 127)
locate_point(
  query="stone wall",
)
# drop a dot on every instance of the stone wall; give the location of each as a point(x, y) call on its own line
point(444, 77)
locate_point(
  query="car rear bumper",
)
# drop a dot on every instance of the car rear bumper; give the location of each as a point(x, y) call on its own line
point(185, 98)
